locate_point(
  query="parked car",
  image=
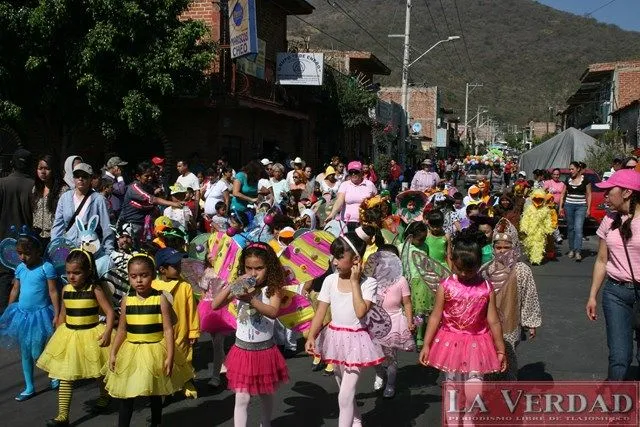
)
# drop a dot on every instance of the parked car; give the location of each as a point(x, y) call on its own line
point(598, 204)
point(475, 173)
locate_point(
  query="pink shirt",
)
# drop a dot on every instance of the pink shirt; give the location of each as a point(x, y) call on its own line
point(423, 180)
point(617, 264)
point(555, 188)
point(393, 296)
point(353, 197)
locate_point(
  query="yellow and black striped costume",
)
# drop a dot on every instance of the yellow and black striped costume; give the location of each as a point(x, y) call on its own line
point(144, 318)
point(73, 352)
point(140, 361)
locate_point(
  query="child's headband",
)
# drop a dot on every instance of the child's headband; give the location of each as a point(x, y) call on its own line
point(351, 245)
point(142, 255)
point(87, 254)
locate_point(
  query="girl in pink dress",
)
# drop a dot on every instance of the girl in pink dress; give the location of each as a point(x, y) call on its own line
point(254, 364)
point(394, 296)
point(464, 335)
point(345, 342)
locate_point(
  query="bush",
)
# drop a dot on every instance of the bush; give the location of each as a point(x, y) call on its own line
point(601, 154)
point(382, 166)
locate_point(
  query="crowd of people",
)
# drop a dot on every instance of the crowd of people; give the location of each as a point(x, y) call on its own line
point(121, 308)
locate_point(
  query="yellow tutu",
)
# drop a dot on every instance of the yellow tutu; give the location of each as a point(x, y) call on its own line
point(74, 354)
point(140, 371)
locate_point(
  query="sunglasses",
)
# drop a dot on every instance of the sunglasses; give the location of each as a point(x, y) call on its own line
point(83, 177)
point(354, 172)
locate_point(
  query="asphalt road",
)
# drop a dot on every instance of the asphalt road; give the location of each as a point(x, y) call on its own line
point(568, 347)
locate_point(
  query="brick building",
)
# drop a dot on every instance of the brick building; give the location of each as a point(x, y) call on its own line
point(604, 89)
point(248, 115)
point(424, 107)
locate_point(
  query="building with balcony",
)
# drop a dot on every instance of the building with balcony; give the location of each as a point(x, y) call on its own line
point(604, 89)
point(248, 115)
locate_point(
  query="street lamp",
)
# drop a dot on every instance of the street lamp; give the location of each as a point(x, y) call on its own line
point(405, 80)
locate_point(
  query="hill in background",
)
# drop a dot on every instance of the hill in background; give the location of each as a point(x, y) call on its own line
point(528, 56)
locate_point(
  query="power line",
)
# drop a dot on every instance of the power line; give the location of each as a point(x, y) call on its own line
point(446, 21)
point(355, 21)
point(435, 27)
point(598, 8)
point(464, 39)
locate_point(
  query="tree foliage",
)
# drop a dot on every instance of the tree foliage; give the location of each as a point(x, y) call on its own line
point(601, 154)
point(354, 101)
point(113, 64)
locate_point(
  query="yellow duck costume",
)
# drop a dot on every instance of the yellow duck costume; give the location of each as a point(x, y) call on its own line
point(139, 369)
point(537, 224)
point(73, 352)
point(187, 326)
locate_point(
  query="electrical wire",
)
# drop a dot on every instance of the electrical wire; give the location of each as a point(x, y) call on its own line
point(446, 21)
point(464, 39)
point(355, 21)
point(598, 8)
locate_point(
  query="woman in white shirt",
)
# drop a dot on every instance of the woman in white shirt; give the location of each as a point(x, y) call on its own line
point(219, 192)
point(279, 185)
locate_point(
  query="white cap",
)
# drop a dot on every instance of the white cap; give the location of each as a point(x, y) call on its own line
point(522, 173)
point(266, 162)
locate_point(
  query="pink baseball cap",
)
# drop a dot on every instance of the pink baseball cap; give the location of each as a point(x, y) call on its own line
point(354, 166)
point(624, 178)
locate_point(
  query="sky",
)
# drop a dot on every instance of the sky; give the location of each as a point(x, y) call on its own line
point(623, 13)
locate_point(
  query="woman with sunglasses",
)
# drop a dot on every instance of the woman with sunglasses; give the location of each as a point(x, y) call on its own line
point(82, 203)
point(351, 194)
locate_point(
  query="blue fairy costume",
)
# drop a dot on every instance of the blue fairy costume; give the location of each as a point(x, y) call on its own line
point(27, 324)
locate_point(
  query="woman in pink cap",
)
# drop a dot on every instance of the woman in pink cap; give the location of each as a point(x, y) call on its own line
point(618, 267)
point(351, 194)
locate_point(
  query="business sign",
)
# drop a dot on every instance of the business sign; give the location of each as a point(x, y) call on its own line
point(304, 69)
point(441, 138)
point(254, 65)
point(243, 34)
point(541, 403)
point(417, 127)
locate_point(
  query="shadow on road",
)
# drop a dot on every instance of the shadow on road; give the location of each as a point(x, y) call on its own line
point(215, 412)
point(534, 372)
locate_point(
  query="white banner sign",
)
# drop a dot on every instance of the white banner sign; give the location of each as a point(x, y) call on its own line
point(243, 35)
point(300, 69)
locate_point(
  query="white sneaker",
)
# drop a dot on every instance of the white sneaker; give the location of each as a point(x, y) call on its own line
point(378, 383)
point(389, 392)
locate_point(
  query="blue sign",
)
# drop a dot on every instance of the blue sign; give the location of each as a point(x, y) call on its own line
point(243, 33)
point(417, 127)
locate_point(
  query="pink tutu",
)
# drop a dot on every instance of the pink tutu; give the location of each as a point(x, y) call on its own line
point(457, 352)
point(348, 347)
point(219, 321)
point(255, 371)
point(399, 337)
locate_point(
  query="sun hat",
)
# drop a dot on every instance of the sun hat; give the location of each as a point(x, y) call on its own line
point(624, 178)
point(266, 162)
point(329, 171)
point(177, 188)
point(297, 161)
point(354, 165)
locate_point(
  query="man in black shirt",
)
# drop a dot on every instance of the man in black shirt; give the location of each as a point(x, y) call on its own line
point(15, 209)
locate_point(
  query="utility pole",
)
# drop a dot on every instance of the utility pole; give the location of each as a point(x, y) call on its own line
point(405, 83)
point(466, 107)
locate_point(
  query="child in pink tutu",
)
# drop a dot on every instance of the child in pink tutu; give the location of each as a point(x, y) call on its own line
point(464, 335)
point(394, 297)
point(345, 342)
point(254, 364)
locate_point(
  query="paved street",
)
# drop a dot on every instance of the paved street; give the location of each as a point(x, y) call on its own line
point(568, 346)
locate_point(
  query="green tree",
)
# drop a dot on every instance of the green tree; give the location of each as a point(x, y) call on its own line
point(113, 64)
point(601, 154)
point(354, 101)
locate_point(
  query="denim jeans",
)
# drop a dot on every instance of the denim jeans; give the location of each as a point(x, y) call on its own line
point(575, 215)
point(617, 304)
